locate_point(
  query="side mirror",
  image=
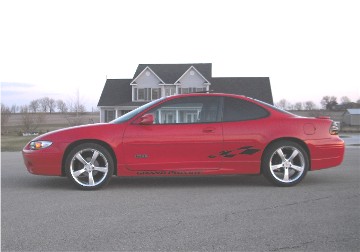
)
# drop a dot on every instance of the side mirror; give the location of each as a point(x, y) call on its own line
point(147, 119)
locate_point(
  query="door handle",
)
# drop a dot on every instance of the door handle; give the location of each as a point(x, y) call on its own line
point(209, 130)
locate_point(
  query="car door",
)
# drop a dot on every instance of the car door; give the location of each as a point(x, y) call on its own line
point(244, 130)
point(185, 133)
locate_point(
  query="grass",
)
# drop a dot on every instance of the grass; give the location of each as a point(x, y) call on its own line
point(14, 143)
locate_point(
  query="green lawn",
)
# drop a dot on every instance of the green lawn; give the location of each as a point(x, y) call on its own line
point(14, 143)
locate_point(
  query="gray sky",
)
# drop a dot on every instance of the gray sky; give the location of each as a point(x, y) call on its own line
point(54, 48)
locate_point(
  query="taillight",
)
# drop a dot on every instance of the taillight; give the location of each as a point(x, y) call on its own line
point(334, 128)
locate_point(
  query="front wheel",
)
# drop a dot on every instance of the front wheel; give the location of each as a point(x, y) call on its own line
point(285, 163)
point(89, 166)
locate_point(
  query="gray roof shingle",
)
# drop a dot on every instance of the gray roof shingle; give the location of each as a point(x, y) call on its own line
point(254, 87)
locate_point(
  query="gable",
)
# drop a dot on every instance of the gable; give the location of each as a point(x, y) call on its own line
point(170, 73)
point(192, 78)
point(147, 79)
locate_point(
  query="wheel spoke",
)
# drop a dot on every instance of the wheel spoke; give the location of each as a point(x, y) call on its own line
point(293, 155)
point(281, 154)
point(297, 168)
point(94, 157)
point(80, 158)
point(91, 179)
point(286, 175)
point(101, 169)
point(275, 167)
point(78, 172)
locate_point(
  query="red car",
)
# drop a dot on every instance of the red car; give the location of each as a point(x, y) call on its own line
point(190, 135)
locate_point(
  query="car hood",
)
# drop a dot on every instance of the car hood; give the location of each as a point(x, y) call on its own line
point(100, 131)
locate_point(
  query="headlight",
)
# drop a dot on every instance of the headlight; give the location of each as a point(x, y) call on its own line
point(37, 145)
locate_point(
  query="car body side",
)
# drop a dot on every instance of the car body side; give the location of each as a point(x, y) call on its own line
point(237, 149)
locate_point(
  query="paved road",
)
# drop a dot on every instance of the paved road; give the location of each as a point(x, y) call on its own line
point(240, 213)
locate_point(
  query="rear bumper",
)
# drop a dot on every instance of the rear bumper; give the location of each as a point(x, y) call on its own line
point(326, 153)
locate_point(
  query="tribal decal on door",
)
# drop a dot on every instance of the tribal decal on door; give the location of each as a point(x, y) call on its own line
point(245, 150)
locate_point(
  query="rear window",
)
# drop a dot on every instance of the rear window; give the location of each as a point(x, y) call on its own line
point(241, 110)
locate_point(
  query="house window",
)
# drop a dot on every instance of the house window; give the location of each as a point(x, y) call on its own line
point(142, 94)
point(146, 94)
point(155, 93)
point(190, 90)
point(170, 91)
point(109, 115)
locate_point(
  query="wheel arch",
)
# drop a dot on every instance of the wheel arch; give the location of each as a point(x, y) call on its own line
point(96, 141)
point(291, 139)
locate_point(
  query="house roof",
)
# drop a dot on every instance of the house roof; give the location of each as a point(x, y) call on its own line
point(254, 87)
point(353, 111)
point(170, 73)
point(117, 92)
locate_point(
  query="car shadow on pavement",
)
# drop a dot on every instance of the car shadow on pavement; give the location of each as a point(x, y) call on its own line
point(47, 183)
point(189, 182)
point(63, 183)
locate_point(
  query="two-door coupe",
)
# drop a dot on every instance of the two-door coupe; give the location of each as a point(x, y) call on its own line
point(190, 135)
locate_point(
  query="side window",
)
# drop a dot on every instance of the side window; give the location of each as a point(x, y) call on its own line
point(240, 110)
point(201, 109)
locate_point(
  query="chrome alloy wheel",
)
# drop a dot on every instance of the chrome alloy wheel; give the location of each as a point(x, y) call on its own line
point(287, 164)
point(89, 167)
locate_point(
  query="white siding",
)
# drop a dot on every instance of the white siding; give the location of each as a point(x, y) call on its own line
point(147, 80)
point(195, 80)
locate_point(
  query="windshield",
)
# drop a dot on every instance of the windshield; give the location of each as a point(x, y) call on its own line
point(135, 112)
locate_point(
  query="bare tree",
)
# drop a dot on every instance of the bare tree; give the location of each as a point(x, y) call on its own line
point(328, 102)
point(76, 105)
point(14, 108)
point(5, 116)
point(61, 106)
point(298, 106)
point(345, 100)
point(31, 121)
point(44, 103)
point(24, 109)
point(34, 105)
point(51, 105)
point(309, 105)
point(283, 104)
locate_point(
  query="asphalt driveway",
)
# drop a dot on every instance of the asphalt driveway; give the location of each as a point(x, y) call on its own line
point(237, 213)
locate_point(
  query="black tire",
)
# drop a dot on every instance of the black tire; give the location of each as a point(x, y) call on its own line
point(89, 166)
point(285, 163)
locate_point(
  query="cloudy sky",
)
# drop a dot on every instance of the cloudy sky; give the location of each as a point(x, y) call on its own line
point(54, 48)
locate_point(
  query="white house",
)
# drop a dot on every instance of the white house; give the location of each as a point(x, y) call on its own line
point(152, 81)
point(352, 117)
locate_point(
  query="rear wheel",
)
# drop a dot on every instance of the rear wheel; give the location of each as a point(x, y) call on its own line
point(89, 166)
point(285, 163)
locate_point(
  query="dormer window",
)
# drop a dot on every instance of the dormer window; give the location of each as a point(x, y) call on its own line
point(146, 94)
point(191, 90)
point(170, 91)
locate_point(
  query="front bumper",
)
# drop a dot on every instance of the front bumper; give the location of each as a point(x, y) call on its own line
point(43, 162)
